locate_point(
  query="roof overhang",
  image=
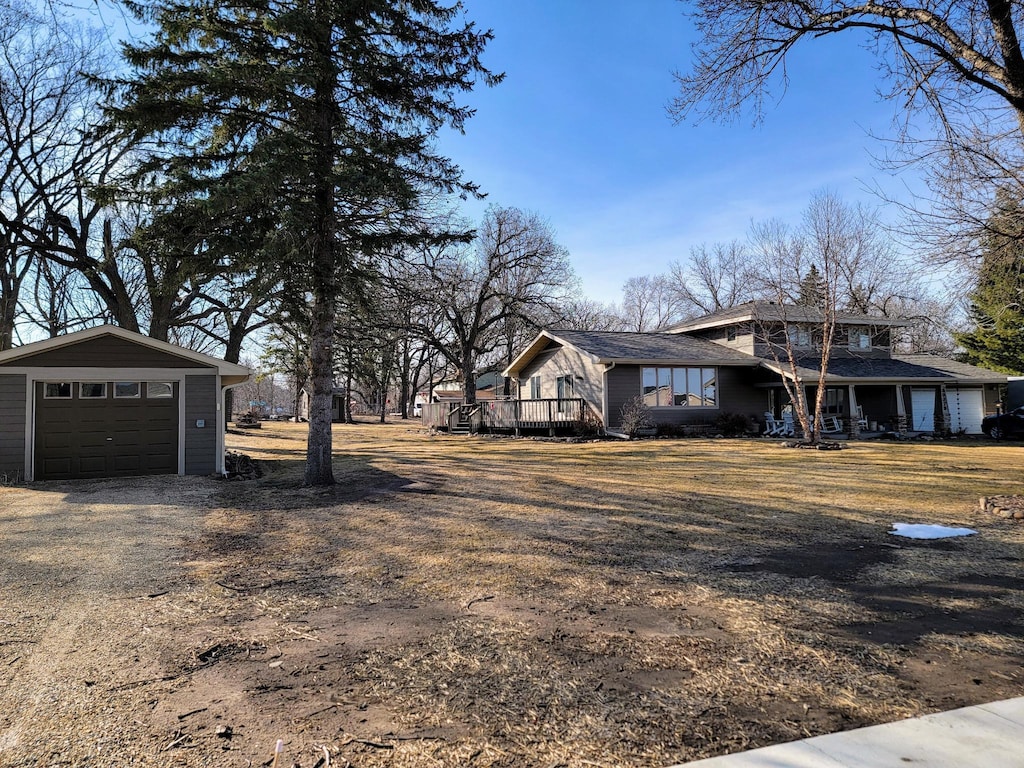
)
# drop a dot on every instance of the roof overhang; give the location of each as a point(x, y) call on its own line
point(231, 374)
point(544, 338)
point(810, 375)
point(538, 345)
point(666, 361)
point(702, 324)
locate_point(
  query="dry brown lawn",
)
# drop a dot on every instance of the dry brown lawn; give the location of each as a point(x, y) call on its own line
point(514, 602)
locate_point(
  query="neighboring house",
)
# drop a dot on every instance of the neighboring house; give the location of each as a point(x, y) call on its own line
point(722, 363)
point(489, 386)
point(338, 395)
point(106, 402)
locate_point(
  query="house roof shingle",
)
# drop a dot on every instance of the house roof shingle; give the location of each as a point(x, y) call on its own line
point(899, 367)
point(768, 311)
point(621, 346)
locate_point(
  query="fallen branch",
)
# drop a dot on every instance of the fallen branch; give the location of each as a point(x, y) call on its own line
point(193, 712)
point(303, 635)
point(368, 743)
point(479, 600)
point(178, 741)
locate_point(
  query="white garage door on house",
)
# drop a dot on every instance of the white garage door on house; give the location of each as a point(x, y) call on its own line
point(966, 410)
point(922, 410)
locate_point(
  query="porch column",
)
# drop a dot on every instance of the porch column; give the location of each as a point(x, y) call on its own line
point(854, 418)
point(901, 411)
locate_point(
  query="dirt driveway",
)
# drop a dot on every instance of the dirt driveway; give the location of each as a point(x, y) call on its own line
point(501, 603)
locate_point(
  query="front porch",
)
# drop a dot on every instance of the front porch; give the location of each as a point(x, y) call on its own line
point(552, 416)
point(903, 408)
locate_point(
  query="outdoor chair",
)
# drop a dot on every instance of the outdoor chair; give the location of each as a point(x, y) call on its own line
point(787, 425)
point(831, 424)
point(862, 423)
point(772, 428)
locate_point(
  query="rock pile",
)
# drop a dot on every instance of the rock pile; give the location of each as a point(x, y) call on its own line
point(1010, 507)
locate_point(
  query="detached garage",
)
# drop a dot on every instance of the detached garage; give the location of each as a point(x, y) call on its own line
point(106, 402)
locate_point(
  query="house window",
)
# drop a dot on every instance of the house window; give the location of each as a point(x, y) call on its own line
point(860, 339)
point(564, 387)
point(535, 387)
point(92, 390)
point(835, 399)
point(159, 389)
point(127, 389)
point(57, 390)
point(686, 387)
point(799, 336)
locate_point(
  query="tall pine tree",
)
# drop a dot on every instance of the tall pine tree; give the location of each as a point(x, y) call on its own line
point(997, 301)
point(318, 112)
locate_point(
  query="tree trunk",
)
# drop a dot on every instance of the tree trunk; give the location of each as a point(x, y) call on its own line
point(319, 443)
point(319, 470)
point(468, 381)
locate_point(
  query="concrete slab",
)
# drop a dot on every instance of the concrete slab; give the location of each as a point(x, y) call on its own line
point(796, 754)
point(985, 736)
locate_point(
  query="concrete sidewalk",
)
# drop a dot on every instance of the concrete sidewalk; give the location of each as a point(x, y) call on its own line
point(985, 736)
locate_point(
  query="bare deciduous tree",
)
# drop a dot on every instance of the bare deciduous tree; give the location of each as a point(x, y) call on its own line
point(513, 274)
point(715, 277)
point(46, 154)
point(959, 65)
point(649, 303)
point(826, 238)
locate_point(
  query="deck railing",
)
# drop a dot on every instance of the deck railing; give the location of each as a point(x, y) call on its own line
point(511, 415)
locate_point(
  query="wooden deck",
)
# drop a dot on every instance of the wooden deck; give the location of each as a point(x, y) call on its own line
point(552, 416)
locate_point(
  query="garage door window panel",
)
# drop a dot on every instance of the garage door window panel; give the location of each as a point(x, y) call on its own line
point(159, 390)
point(57, 390)
point(92, 390)
point(127, 390)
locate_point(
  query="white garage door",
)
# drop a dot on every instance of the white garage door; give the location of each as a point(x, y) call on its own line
point(966, 409)
point(922, 410)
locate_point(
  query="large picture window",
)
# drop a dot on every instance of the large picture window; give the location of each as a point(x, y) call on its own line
point(686, 387)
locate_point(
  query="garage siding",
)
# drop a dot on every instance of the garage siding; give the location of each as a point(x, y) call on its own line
point(107, 351)
point(200, 442)
point(12, 416)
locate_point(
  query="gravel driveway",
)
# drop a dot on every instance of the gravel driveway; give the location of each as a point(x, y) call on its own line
point(82, 625)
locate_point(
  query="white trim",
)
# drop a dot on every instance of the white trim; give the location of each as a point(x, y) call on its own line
point(223, 367)
point(37, 375)
point(181, 427)
point(30, 431)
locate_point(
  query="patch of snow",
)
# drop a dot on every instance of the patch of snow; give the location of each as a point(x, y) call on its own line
point(921, 531)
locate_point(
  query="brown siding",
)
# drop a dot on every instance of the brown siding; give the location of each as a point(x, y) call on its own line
point(623, 386)
point(200, 442)
point(735, 395)
point(104, 352)
point(12, 427)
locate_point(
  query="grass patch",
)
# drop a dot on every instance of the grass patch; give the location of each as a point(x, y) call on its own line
point(622, 603)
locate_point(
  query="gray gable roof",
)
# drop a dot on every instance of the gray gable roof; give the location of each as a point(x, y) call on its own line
point(899, 367)
point(769, 311)
point(623, 346)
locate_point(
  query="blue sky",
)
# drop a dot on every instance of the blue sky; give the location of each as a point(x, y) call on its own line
point(579, 133)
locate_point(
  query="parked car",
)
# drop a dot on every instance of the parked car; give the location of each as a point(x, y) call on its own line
point(1004, 424)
